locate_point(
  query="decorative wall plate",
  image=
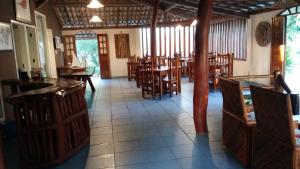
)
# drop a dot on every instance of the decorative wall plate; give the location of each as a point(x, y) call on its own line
point(263, 33)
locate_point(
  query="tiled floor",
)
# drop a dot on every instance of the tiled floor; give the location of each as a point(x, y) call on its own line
point(129, 132)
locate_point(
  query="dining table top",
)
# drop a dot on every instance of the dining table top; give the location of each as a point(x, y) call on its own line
point(89, 71)
point(266, 81)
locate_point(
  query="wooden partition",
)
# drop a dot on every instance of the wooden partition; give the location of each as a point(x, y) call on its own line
point(51, 125)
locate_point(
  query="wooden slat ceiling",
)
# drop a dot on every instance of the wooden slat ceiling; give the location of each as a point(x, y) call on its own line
point(73, 14)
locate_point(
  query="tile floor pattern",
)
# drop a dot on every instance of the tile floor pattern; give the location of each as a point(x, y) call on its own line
point(129, 132)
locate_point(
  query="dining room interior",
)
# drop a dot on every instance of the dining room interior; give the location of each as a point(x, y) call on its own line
point(149, 84)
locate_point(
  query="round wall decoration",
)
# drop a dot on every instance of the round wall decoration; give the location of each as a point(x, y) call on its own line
point(263, 33)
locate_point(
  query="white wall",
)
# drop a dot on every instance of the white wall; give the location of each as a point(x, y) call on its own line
point(118, 66)
point(260, 59)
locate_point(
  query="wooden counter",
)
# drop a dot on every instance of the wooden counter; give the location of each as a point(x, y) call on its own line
point(52, 120)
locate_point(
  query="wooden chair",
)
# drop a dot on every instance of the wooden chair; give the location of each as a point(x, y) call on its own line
point(191, 69)
point(131, 67)
point(274, 141)
point(138, 68)
point(163, 61)
point(219, 65)
point(213, 72)
point(237, 121)
point(225, 62)
point(149, 84)
point(171, 82)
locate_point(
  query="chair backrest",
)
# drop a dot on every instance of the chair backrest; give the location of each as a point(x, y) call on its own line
point(212, 64)
point(173, 64)
point(273, 114)
point(132, 59)
point(233, 100)
point(210, 54)
point(146, 71)
point(226, 59)
point(163, 60)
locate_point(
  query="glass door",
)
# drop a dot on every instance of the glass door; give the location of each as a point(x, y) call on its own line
point(292, 55)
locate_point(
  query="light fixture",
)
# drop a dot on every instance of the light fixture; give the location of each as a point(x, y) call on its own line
point(95, 4)
point(281, 49)
point(178, 27)
point(194, 23)
point(96, 19)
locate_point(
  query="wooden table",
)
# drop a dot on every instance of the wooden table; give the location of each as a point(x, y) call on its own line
point(266, 81)
point(84, 75)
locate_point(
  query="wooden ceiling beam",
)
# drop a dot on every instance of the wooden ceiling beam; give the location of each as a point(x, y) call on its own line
point(161, 7)
point(85, 3)
point(216, 10)
point(168, 8)
point(39, 3)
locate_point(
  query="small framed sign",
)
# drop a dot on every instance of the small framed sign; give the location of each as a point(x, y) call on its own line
point(5, 37)
point(23, 10)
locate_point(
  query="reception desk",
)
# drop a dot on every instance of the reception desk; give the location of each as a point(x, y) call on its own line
point(51, 119)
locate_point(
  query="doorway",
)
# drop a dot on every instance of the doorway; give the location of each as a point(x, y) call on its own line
point(292, 52)
point(87, 51)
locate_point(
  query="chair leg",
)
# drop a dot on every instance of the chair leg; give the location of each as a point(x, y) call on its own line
point(171, 88)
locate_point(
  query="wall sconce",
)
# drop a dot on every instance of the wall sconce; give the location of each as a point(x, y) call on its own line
point(282, 52)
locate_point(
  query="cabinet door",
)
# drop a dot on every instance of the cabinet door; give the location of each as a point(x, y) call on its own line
point(104, 56)
point(69, 48)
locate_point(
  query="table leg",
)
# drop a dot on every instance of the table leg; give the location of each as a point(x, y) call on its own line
point(179, 82)
point(160, 85)
point(128, 71)
point(91, 83)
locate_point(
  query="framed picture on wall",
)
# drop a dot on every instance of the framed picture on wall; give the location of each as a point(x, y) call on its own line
point(5, 37)
point(23, 10)
point(122, 45)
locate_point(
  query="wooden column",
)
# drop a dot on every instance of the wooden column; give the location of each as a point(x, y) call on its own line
point(201, 87)
point(153, 32)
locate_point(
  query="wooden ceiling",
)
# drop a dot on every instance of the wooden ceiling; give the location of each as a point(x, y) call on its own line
point(73, 14)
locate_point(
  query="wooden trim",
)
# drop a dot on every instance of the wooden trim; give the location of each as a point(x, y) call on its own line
point(153, 32)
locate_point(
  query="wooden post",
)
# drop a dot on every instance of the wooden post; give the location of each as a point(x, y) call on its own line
point(201, 87)
point(153, 32)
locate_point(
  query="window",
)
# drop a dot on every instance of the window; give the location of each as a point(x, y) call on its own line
point(225, 37)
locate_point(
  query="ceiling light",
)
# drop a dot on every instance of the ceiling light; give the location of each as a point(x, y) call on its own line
point(178, 27)
point(194, 23)
point(95, 4)
point(96, 19)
